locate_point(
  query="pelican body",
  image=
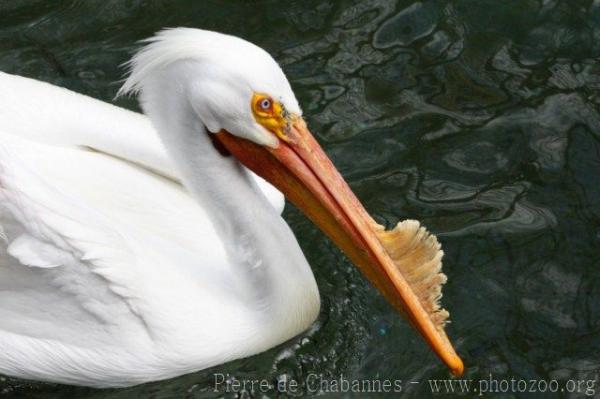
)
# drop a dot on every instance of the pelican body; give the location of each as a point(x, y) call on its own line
point(136, 248)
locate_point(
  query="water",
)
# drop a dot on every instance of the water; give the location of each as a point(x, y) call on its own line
point(479, 118)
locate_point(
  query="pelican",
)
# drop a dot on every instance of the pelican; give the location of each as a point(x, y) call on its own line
point(138, 248)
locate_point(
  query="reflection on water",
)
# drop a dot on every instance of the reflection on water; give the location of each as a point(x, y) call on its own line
point(480, 118)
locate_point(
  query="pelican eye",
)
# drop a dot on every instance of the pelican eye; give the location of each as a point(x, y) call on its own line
point(271, 114)
point(265, 104)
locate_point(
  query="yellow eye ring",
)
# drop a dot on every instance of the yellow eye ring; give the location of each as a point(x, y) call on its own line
point(270, 114)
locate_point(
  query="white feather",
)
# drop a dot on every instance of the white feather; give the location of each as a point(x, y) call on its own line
point(111, 272)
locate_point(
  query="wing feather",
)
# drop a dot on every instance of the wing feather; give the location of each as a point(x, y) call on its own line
point(47, 229)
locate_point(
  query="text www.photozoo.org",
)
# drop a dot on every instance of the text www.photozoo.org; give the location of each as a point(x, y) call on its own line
point(316, 384)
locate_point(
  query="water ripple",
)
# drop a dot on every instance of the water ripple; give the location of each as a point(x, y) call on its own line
point(481, 119)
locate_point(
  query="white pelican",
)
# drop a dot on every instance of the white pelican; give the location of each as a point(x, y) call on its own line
point(138, 249)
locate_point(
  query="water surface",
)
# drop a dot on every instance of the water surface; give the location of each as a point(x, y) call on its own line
point(479, 118)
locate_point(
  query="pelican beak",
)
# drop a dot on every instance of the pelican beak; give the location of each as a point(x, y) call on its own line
point(404, 263)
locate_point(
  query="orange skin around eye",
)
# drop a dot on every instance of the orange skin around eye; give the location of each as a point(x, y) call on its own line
point(274, 118)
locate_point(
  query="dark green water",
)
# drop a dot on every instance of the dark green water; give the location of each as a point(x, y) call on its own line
point(479, 118)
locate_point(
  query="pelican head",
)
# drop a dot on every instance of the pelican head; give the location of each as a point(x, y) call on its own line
point(246, 105)
point(231, 84)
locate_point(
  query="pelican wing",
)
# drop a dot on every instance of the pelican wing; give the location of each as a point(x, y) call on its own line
point(56, 250)
point(45, 113)
point(98, 256)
